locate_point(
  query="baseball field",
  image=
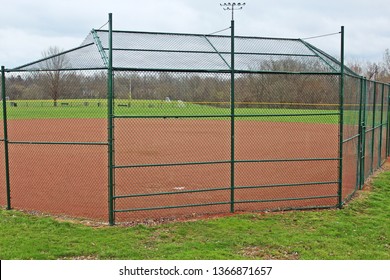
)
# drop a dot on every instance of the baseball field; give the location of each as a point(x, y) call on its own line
point(172, 159)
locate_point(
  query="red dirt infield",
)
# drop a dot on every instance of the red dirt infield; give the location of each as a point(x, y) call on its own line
point(71, 180)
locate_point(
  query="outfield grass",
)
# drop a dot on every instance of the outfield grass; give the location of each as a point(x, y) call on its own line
point(92, 109)
point(360, 231)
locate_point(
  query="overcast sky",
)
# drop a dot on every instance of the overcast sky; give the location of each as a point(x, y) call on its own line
point(29, 27)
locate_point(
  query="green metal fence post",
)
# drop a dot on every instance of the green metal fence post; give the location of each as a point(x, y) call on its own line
point(381, 127)
point(341, 123)
point(373, 129)
point(232, 122)
point(363, 124)
point(388, 122)
point(361, 135)
point(5, 131)
point(110, 128)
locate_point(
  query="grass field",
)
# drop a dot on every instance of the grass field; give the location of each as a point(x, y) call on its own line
point(44, 109)
point(360, 231)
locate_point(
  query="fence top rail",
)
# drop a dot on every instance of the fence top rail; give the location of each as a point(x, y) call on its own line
point(198, 34)
point(39, 61)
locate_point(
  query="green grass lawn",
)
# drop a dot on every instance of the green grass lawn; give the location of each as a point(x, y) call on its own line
point(360, 231)
point(65, 109)
point(97, 109)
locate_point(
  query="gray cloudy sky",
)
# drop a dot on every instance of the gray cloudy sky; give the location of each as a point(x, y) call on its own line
point(29, 27)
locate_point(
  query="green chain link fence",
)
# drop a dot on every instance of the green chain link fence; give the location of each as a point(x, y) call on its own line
point(135, 125)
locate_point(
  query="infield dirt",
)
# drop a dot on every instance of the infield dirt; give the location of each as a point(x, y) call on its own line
point(71, 180)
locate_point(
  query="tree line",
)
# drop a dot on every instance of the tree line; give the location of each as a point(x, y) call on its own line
point(190, 87)
point(378, 71)
point(187, 87)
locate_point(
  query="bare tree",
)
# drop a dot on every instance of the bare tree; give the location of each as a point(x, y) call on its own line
point(52, 65)
point(386, 65)
point(356, 67)
point(373, 70)
point(379, 71)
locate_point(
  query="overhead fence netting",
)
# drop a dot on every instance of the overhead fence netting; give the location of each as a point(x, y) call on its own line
point(86, 56)
point(141, 50)
point(163, 51)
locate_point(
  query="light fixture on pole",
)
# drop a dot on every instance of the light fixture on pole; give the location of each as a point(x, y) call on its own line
point(232, 6)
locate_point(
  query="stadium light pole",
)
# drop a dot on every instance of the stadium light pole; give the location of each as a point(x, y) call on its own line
point(232, 6)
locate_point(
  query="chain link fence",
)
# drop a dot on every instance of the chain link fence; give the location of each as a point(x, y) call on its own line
point(132, 126)
point(57, 146)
